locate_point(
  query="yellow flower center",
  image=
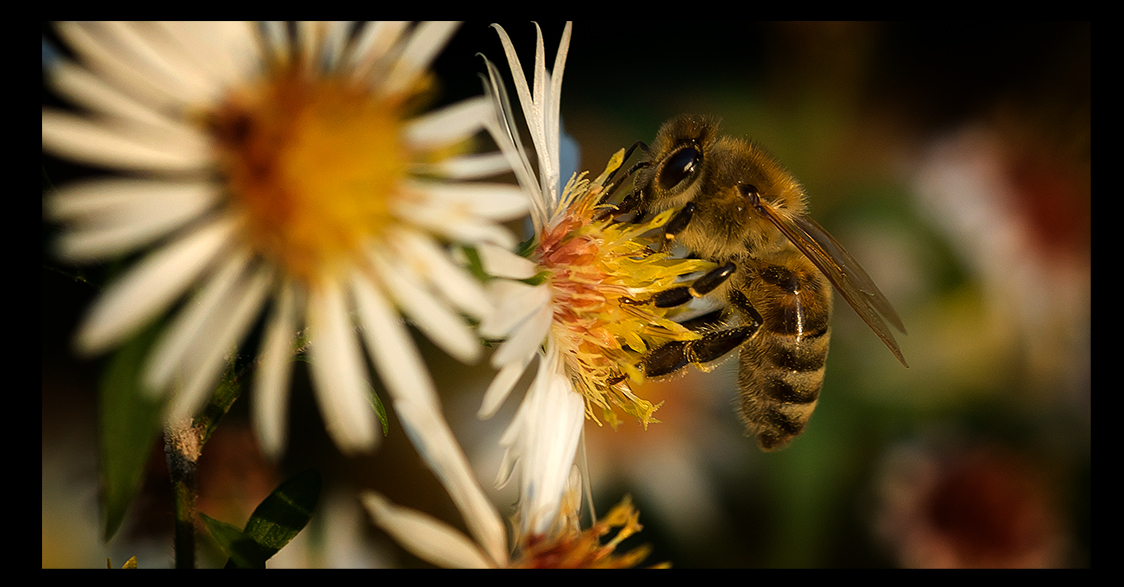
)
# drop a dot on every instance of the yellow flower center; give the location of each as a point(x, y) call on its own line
point(572, 548)
point(314, 163)
point(602, 275)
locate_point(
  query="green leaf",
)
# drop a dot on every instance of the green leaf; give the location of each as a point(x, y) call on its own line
point(129, 422)
point(243, 551)
point(380, 410)
point(274, 523)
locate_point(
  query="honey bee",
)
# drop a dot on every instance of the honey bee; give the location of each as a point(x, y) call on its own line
point(742, 210)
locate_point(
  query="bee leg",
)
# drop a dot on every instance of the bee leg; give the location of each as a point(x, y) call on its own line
point(676, 355)
point(628, 154)
point(632, 200)
point(677, 296)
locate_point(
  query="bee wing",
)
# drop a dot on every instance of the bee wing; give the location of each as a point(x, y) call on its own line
point(843, 271)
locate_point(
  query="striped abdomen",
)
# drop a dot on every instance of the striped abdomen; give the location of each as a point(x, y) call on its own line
point(781, 367)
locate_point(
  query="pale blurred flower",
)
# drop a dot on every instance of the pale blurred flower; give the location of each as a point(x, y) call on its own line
point(582, 305)
point(285, 166)
point(563, 544)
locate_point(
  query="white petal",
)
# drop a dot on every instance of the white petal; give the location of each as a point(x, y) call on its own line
point(148, 51)
point(456, 226)
point(223, 331)
point(424, 44)
point(435, 443)
point(175, 342)
point(337, 372)
point(455, 284)
point(116, 216)
point(153, 285)
point(270, 401)
point(527, 338)
point(515, 303)
point(471, 166)
point(391, 349)
point(445, 328)
point(448, 125)
point(90, 91)
point(373, 43)
point(501, 262)
point(547, 445)
point(96, 47)
point(424, 535)
point(130, 147)
point(501, 387)
point(483, 200)
point(228, 52)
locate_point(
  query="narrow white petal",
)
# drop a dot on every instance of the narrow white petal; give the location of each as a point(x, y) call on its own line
point(515, 302)
point(392, 351)
point(471, 166)
point(337, 371)
point(224, 329)
point(373, 43)
point(501, 386)
point(433, 264)
point(332, 46)
point(455, 226)
point(174, 345)
point(415, 401)
point(92, 92)
point(483, 200)
point(554, 109)
point(424, 44)
point(502, 127)
point(153, 285)
point(440, 324)
point(548, 444)
point(435, 443)
point(228, 52)
point(270, 401)
point(527, 337)
point(126, 147)
point(148, 51)
point(448, 125)
point(501, 262)
point(97, 49)
point(116, 216)
point(425, 536)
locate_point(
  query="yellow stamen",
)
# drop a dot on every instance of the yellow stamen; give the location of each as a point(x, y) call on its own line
point(601, 273)
point(314, 163)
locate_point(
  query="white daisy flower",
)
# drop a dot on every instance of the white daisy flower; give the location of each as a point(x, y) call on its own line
point(565, 546)
point(284, 167)
point(582, 308)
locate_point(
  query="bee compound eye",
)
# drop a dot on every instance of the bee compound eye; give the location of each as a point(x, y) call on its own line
point(678, 167)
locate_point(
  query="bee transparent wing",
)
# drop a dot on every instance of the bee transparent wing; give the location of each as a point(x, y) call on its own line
point(843, 271)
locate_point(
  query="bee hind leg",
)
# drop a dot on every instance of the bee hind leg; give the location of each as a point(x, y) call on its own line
point(713, 345)
point(679, 295)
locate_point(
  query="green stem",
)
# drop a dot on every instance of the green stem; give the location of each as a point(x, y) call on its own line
point(181, 447)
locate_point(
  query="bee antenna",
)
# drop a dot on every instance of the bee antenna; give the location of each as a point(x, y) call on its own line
point(628, 154)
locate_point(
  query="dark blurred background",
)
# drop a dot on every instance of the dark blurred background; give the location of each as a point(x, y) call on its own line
point(953, 160)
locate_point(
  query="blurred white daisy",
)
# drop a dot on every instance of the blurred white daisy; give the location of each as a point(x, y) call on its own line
point(581, 308)
point(564, 546)
point(283, 166)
